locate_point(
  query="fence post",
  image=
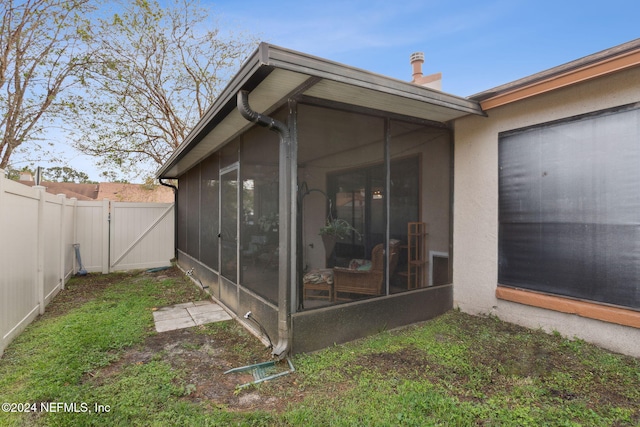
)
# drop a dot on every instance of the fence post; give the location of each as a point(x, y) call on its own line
point(40, 248)
point(2, 178)
point(2, 223)
point(105, 236)
point(74, 225)
point(63, 242)
point(3, 304)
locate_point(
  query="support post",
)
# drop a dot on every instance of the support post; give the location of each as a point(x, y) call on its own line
point(387, 202)
point(295, 252)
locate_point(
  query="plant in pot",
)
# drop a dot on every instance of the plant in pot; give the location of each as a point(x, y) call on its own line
point(269, 225)
point(335, 230)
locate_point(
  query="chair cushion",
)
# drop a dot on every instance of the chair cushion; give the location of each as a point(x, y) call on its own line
point(360, 264)
point(319, 276)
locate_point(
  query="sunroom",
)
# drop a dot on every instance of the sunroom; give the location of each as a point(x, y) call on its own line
point(314, 200)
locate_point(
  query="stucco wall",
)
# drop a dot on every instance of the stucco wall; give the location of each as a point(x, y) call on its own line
point(475, 215)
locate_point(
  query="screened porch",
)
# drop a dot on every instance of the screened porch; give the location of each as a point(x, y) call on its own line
point(294, 147)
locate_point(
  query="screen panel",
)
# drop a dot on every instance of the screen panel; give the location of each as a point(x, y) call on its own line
point(209, 211)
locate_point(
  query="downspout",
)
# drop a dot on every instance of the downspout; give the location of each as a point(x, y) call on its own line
point(283, 346)
point(175, 217)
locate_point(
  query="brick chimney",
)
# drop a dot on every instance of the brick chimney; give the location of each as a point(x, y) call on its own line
point(433, 81)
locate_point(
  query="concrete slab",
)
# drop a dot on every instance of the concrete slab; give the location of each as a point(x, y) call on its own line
point(183, 305)
point(176, 313)
point(204, 309)
point(196, 303)
point(173, 324)
point(210, 317)
point(187, 315)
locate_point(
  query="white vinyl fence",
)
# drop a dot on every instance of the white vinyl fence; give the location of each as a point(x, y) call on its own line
point(37, 234)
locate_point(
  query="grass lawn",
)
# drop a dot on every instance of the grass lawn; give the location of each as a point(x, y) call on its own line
point(95, 359)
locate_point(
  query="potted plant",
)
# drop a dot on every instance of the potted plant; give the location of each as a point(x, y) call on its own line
point(335, 230)
point(269, 225)
point(269, 222)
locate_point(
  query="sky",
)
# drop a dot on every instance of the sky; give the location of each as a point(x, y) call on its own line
point(476, 45)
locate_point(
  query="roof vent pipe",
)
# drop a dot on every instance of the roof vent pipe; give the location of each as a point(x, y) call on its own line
point(417, 59)
point(282, 348)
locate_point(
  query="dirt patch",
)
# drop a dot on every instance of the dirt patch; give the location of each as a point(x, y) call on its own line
point(200, 354)
point(406, 363)
point(78, 291)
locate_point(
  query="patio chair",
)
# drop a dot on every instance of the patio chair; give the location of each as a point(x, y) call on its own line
point(362, 277)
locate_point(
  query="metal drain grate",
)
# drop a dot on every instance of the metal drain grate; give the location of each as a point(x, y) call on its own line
point(264, 371)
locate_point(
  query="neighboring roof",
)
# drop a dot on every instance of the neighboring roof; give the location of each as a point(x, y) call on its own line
point(273, 74)
point(135, 193)
point(118, 192)
point(69, 189)
point(608, 61)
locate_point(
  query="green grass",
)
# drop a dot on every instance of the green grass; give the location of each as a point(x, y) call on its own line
point(54, 358)
point(456, 370)
point(459, 370)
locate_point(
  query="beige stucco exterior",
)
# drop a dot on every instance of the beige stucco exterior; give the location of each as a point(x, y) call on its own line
point(475, 215)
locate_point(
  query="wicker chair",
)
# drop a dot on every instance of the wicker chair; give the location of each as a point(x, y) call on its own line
point(365, 282)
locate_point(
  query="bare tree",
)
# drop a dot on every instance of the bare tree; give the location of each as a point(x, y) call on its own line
point(66, 174)
point(41, 49)
point(157, 72)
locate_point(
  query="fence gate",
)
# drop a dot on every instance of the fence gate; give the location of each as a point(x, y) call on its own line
point(141, 235)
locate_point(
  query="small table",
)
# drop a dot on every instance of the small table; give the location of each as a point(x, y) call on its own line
point(318, 280)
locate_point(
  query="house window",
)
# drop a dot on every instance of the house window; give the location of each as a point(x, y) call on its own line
point(358, 197)
point(569, 207)
point(351, 195)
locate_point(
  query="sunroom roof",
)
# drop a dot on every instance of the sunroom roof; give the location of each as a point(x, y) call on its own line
point(273, 74)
